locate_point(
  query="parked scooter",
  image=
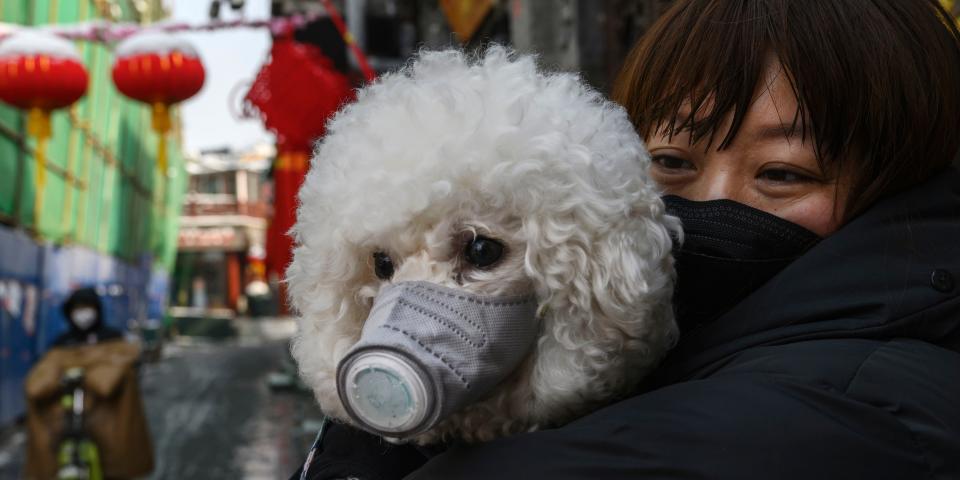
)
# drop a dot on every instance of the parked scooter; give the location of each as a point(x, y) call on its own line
point(77, 454)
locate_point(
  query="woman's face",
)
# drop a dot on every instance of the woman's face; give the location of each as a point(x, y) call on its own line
point(766, 166)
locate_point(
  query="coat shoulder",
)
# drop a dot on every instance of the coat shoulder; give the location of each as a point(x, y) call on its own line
point(761, 415)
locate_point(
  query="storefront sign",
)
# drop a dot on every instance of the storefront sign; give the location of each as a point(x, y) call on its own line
point(217, 238)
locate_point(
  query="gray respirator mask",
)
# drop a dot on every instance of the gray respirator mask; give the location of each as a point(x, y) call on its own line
point(427, 351)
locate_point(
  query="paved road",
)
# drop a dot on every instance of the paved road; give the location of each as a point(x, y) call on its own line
point(213, 416)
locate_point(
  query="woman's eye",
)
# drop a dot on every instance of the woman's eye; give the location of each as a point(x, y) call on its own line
point(784, 176)
point(482, 252)
point(382, 265)
point(671, 162)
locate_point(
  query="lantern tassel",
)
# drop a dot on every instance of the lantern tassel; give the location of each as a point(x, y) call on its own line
point(162, 153)
point(38, 126)
point(161, 125)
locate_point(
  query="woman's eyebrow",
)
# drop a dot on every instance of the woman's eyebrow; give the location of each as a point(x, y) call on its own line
point(777, 131)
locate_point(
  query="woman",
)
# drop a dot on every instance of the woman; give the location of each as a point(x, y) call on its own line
point(90, 359)
point(807, 148)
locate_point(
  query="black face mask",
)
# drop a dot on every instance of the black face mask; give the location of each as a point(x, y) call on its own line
point(729, 251)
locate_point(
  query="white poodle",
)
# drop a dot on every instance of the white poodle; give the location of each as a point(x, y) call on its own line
point(452, 151)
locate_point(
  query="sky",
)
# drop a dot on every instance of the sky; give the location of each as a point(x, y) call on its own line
point(231, 59)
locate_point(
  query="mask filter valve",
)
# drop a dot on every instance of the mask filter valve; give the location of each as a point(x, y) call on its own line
point(386, 391)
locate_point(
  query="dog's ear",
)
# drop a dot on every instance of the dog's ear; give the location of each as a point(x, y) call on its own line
point(324, 280)
point(612, 273)
point(605, 290)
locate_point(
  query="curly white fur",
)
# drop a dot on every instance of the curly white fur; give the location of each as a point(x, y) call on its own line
point(450, 147)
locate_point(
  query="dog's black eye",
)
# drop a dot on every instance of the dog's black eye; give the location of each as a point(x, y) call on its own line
point(382, 265)
point(483, 252)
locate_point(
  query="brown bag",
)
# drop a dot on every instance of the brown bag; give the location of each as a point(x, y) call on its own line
point(113, 409)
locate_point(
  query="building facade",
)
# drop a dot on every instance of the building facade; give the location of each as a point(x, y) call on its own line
point(222, 234)
point(591, 37)
point(109, 220)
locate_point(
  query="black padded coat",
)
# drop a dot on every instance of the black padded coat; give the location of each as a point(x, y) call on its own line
point(844, 365)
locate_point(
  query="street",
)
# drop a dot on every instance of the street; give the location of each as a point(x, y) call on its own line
point(212, 413)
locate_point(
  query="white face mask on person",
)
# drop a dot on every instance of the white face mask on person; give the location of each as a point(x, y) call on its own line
point(83, 317)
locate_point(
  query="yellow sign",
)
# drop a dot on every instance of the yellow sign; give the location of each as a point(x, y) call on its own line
point(465, 16)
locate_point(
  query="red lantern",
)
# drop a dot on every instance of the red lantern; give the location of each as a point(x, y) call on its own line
point(159, 69)
point(296, 92)
point(39, 73)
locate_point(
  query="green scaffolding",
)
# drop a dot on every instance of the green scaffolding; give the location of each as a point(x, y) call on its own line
point(102, 190)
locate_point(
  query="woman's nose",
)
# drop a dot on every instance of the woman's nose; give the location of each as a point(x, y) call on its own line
point(717, 184)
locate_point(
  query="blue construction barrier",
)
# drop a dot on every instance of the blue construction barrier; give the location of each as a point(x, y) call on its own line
point(36, 279)
point(20, 311)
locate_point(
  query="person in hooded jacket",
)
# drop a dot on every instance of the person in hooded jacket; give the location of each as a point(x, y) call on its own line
point(807, 148)
point(84, 313)
point(112, 415)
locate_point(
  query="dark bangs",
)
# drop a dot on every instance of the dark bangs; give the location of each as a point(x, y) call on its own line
point(877, 81)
